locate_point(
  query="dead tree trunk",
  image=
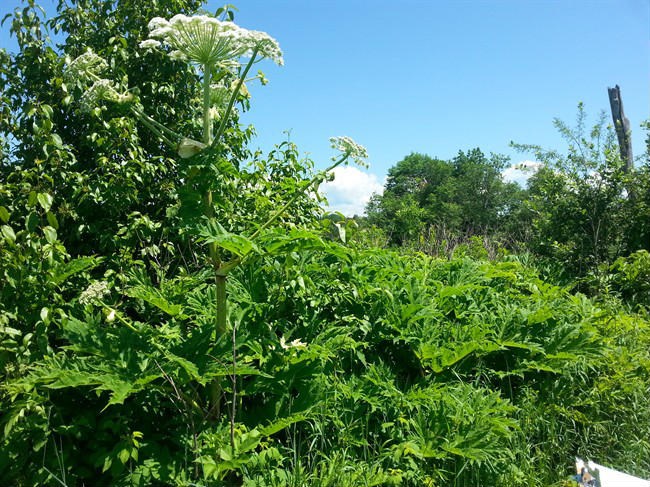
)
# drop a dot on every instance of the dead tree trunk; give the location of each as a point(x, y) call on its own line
point(622, 126)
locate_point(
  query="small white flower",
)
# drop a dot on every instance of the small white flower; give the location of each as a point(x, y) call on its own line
point(177, 56)
point(149, 44)
point(157, 22)
point(349, 147)
point(293, 344)
point(102, 90)
point(94, 292)
point(267, 46)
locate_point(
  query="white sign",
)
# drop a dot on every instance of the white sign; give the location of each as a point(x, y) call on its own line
point(596, 475)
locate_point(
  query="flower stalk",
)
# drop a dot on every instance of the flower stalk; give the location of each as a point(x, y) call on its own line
point(207, 121)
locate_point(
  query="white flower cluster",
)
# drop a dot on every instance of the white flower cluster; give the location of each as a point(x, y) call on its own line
point(101, 90)
point(349, 147)
point(86, 68)
point(292, 344)
point(208, 41)
point(94, 292)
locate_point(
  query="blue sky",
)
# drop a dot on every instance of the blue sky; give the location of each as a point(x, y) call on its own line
point(439, 76)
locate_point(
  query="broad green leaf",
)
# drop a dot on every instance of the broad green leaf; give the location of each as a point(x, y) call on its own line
point(155, 298)
point(190, 368)
point(441, 357)
point(540, 315)
point(249, 441)
point(208, 465)
point(47, 110)
point(10, 331)
point(124, 455)
point(45, 200)
point(56, 140)
point(239, 245)
point(226, 454)
point(50, 234)
point(219, 370)
point(120, 390)
point(32, 221)
point(282, 423)
point(296, 240)
point(51, 219)
point(533, 347)
point(4, 214)
point(8, 233)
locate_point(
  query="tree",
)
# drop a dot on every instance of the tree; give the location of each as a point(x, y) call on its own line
point(582, 212)
point(462, 197)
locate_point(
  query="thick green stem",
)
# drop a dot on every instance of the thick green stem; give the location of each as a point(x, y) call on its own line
point(220, 277)
point(207, 121)
point(157, 128)
point(216, 390)
point(213, 251)
point(233, 97)
point(156, 123)
point(221, 305)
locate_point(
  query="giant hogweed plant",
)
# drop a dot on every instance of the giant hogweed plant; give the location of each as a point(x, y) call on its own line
point(223, 55)
point(217, 48)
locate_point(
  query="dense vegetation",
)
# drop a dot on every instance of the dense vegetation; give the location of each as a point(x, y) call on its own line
point(334, 362)
point(580, 212)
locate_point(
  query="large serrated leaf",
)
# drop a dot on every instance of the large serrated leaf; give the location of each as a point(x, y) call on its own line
point(239, 245)
point(439, 358)
point(155, 298)
point(281, 423)
point(73, 267)
point(120, 390)
point(189, 367)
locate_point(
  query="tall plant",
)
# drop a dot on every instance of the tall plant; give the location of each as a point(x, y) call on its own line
point(218, 49)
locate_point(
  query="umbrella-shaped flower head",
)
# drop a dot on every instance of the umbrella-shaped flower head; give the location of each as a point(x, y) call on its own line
point(85, 68)
point(208, 41)
point(351, 149)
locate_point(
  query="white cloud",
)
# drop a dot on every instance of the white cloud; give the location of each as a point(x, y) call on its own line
point(521, 171)
point(351, 190)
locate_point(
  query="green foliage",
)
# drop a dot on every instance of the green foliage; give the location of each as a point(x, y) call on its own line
point(339, 364)
point(583, 204)
point(580, 212)
point(628, 279)
point(462, 197)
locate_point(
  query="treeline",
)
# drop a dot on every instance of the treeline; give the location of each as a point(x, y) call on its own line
point(581, 210)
